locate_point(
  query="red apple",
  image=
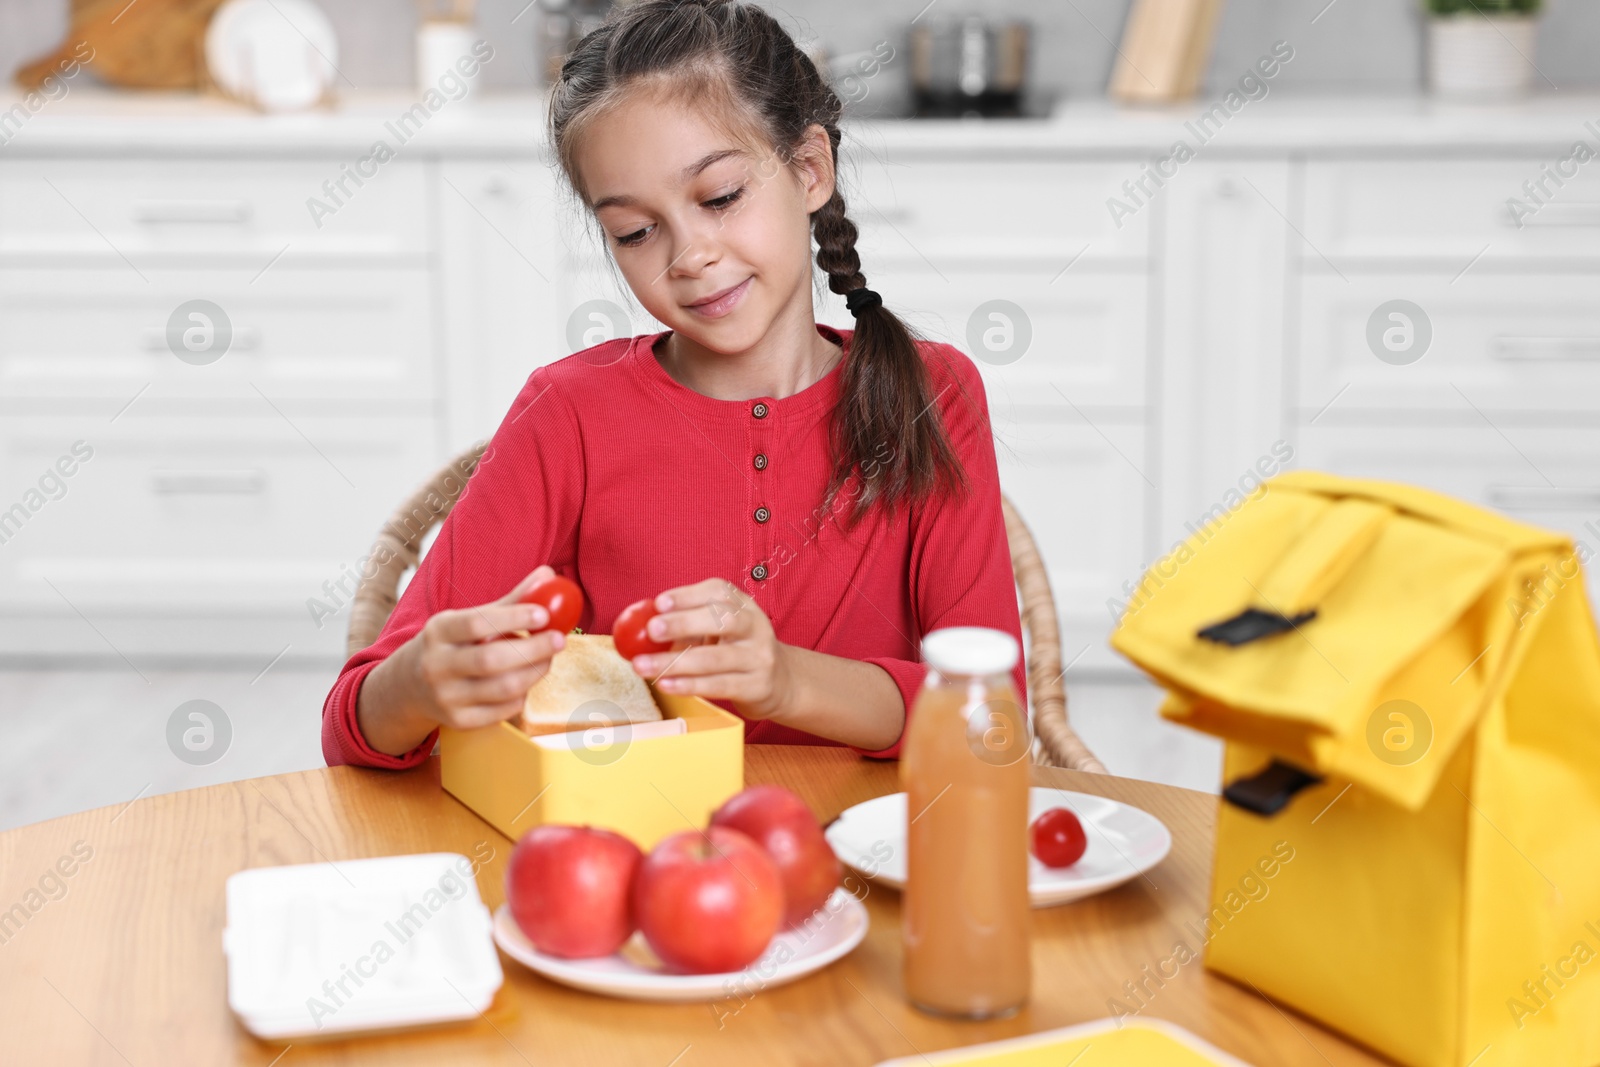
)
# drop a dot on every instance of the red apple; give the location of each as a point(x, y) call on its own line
point(784, 827)
point(570, 889)
point(708, 902)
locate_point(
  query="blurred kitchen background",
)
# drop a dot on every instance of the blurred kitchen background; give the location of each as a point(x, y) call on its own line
point(1190, 244)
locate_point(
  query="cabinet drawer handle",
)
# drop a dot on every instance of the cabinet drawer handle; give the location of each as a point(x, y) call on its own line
point(245, 339)
point(1558, 213)
point(1546, 348)
point(1542, 498)
point(209, 483)
point(157, 212)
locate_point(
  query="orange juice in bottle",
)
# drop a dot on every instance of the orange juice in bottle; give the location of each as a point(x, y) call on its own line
point(965, 769)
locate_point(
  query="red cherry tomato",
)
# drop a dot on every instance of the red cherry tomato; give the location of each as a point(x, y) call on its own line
point(560, 597)
point(1058, 839)
point(629, 632)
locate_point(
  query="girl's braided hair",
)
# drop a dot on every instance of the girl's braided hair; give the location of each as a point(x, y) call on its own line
point(737, 57)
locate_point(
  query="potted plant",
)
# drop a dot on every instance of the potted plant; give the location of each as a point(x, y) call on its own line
point(1481, 48)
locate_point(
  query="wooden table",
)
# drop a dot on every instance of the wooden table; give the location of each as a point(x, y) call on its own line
point(126, 966)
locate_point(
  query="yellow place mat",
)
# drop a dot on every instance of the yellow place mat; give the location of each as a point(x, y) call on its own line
point(1143, 1043)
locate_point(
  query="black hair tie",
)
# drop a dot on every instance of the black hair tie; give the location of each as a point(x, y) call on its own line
point(862, 299)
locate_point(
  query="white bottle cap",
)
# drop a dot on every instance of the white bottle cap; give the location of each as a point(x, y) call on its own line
point(970, 650)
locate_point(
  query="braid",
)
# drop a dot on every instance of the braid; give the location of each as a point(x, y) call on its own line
point(836, 245)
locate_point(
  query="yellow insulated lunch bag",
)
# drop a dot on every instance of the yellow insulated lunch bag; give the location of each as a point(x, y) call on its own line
point(1409, 689)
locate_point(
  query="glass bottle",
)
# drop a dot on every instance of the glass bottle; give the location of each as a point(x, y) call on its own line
point(965, 768)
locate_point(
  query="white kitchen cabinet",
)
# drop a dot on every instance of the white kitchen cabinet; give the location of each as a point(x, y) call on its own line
point(1527, 345)
point(1219, 321)
point(1452, 210)
point(501, 286)
point(226, 485)
point(236, 519)
point(178, 209)
point(298, 336)
point(931, 209)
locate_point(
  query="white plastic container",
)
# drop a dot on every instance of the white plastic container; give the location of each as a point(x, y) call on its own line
point(324, 949)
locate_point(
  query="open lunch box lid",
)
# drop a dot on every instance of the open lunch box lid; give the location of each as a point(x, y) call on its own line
point(325, 949)
point(1290, 622)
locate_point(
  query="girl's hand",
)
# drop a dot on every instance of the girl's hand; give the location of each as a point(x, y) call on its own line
point(453, 674)
point(465, 678)
point(724, 648)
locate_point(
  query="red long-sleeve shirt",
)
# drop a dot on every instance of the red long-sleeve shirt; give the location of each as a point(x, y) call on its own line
point(629, 483)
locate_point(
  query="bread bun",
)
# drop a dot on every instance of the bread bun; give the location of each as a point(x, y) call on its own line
point(588, 685)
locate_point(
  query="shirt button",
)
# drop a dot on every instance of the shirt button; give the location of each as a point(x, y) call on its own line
point(760, 461)
point(759, 411)
point(762, 514)
point(759, 572)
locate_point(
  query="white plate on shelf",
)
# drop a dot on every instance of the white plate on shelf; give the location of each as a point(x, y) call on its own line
point(634, 973)
point(1124, 843)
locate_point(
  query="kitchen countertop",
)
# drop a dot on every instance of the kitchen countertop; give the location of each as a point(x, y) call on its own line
point(100, 121)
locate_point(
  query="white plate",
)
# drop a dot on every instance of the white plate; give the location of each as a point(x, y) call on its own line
point(635, 974)
point(1124, 842)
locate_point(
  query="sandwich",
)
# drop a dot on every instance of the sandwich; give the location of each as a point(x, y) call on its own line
point(588, 685)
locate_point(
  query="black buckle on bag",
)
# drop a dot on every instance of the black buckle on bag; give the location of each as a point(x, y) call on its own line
point(1267, 792)
point(1252, 624)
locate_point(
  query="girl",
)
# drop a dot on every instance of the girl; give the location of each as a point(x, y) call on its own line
point(803, 503)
